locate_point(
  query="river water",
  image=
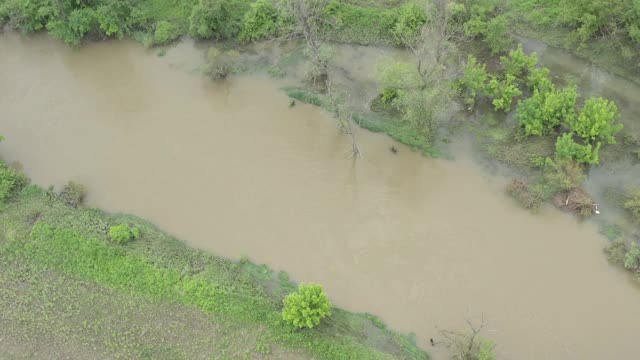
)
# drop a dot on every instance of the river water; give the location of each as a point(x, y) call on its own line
point(230, 168)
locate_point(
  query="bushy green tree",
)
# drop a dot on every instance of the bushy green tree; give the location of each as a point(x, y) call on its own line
point(632, 204)
point(597, 121)
point(220, 63)
point(519, 64)
point(538, 78)
point(307, 306)
point(79, 23)
point(263, 20)
point(503, 92)
point(165, 33)
point(484, 20)
point(567, 148)
point(410, 20)
point(123, 233)
point(473, 81)
point(219, 19)
point(497, 35)
point(543, 112)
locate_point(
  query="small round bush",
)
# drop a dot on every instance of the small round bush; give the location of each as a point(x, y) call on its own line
point(73, 194)
point(123, 233)
point(307, 306)
point(165, 33)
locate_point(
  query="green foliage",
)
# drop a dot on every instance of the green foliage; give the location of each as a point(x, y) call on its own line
point(411, 19)
point(220, 63)
point(79, 23)
point(486, 349)
point(165, 33)
point(474, 79)
point(503, 92)
point(497, 35)
point(597, 121)
point(262, 21)
point(123, 233)
point(538, 79)
point(563, 174)
point(218, 19)
point(73, 194)
point(567, 148)
point(349, 23)
point(616, 252)
point(11, 181)
point(632, 257)
point(518, 64)
point(307, 306)
point(543, 112)
point(632, 204)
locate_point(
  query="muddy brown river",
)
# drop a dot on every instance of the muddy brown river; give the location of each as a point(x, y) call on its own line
point(230, 168)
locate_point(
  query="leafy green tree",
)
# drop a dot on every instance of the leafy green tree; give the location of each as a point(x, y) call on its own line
point(263, 20)
point(538, 78)
point(543, 112)
point(219, 19)
point(474, 80)
point(79, 23)
point(307, 306)
point(503, 92)
point(410, 20)
point(597, 121)
point(567, 148)
point(497, 36)
point(519, 64)
point(633, 205)
point(165, 33)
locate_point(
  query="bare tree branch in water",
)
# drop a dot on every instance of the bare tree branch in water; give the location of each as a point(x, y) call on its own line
point(469, 345)
point(308, 14)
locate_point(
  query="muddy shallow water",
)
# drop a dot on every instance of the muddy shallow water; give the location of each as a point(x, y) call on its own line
point(232, 169)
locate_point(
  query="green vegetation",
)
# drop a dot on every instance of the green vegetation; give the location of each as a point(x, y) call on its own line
point(86, 295)
point(307, 306)
point(123, 233)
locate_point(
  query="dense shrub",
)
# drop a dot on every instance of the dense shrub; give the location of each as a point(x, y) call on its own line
point(503, 92)
point(567, 148)
point(543, 112)
point(219, 19)
point(73, 194)
point(632, 204)
point(123, 233)
point(263, 20)
point(597, 121)
point(410, 20)
point(11, 181)
point(473, 82)
point(632, 257)
point(307, 306)
point(165, 33)
point(519, 64)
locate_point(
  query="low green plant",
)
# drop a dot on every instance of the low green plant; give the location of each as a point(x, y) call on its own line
point(73, 194)
point(616, 252)
point(632, 257)
point(11, 181)
point(123, 233)
point(307, 306)
point(518, 64)
point(567, 148)
point(410, 20)
point(632, 204)
point(220, 63)
point(263, 20)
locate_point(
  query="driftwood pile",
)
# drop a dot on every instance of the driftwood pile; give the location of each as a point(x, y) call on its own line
point(575, 200)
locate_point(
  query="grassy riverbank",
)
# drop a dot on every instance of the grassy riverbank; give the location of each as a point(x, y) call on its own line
point(66, 289)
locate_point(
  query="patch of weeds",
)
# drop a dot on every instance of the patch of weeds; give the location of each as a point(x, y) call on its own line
point(612, 231)
point(276, 72)
point(162, 53)
point(73, 194)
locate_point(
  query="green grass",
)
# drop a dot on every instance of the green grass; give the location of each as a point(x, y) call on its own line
point(83, 294)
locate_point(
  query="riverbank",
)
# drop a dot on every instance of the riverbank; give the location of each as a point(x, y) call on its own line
point(68, 290)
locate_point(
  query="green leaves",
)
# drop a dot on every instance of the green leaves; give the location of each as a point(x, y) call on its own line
point(543, 112)
point(123, 233)
point(597, 121)
point(567, 148)
point(307, 306)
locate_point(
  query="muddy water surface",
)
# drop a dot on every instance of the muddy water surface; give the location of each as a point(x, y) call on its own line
point(232, 169)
